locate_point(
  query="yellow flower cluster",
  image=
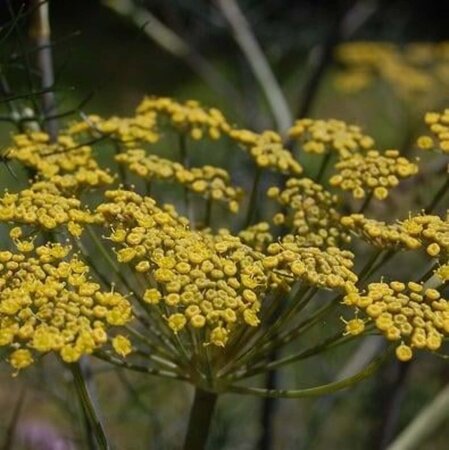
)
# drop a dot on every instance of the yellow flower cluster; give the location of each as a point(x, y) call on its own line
point(48, 304)
point(257, 236)
point(43, 206)
point(373, 172)
point(415, 316)
point(266, 150)
point(311, 213)
point(431, 231)
point(129, 131)
point(210, 282)
point(380, 234)
point(322, 136)
point(438, 125)
point(189, 117)
point(208, 181)
point(66, 163)
point(443, 273)
point(365, 61)
point(328, 268)
point(354, 80)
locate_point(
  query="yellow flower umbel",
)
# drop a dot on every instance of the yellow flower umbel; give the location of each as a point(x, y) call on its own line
point(380, 234)
point(42, 206)
point(189, 117)
point(69, 164)
point(405, 70)
point(433, 233)
point(311, 213)
point(328, 268)
point(49, 304)
point(202, 281)
point(323, 136)
point(372, 173)
point(267, 151)
point(257, 236)
point(410, 314)
point(208, 181)
point(128, 131)
point(438, 126)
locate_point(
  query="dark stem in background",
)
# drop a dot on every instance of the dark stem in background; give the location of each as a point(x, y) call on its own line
point(438, 196)
point(5, 92)
point(200, 420)
point(184, 160)
point(40, 34)
point(323, 166)
point(252, 202)
point(320, 59)
point(391, 390)
point(365, 203)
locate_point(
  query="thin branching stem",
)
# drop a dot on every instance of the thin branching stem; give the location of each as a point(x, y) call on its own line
point(323, 166)
point(325, 389)
point(139, 368)
point(438, 197)
point(252, 200)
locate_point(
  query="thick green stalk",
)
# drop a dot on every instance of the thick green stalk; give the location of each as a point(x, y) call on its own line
point(200, 419)
point(88, 407)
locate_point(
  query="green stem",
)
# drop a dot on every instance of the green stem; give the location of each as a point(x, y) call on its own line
point(366, 203)
point(88, 407)
point(439, 195)
point(369, 265)
point(100, 247)
point(325, 389)
point(252, 198)
point(387, 256)
point(429, 272)
point(138, 368)
point(323, 166)
point(184, 159)
point(120, 166)
point(331, 342)
point(200, 419)
point(301, 328)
